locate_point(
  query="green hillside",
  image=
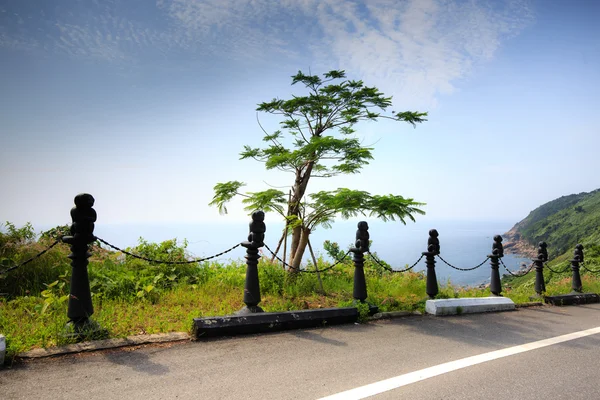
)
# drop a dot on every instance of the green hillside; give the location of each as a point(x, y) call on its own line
point(562, 223)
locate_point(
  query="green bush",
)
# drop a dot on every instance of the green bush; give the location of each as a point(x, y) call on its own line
point(18, 245)
point(132, 296)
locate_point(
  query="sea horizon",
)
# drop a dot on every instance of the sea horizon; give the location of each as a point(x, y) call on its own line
point(463, 243)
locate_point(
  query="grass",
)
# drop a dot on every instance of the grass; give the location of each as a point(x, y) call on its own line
point(132, 297)
point(26, 326)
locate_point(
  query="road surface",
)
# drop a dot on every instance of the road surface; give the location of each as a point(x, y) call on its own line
point(522, 354)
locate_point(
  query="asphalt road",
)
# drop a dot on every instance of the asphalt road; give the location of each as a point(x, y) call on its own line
point(315, 363)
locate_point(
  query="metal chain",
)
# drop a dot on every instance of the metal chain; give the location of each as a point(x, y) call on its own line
point(304, 270)
point(461, 269)
point(517, 275)
point(556, 272)
point(390, 269)
point(167, 262)
point(277, 257)
point(590, 270)
point(57, 241)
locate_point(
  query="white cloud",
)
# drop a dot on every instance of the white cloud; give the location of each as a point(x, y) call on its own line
point(414, 49)
point(17, 42)
point(418, 47)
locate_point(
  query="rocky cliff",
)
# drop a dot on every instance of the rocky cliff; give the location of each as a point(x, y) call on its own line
point(561, 223)
point(515, 244)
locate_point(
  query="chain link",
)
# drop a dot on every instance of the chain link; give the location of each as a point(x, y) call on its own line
point(277, 257)
point(305, 270)
point(166, 262)
point(461, 269)
point(390, 269)
point(556, 272)
point(516, 275)
point(57, 241)
point(594, 271)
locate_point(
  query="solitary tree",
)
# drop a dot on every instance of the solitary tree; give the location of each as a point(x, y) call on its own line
point(317, 141)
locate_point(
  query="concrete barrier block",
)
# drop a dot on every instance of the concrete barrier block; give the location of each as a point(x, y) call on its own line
point(271, 322)
point(468, 305)
point(572, 299)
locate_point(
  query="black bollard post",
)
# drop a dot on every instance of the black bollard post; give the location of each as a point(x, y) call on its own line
point(80, 307)
point(542, 257)
point(255, 241)
point(433, 249)
point(362, 246)
point(497, 253)
point(360, 283)
point(576, 284)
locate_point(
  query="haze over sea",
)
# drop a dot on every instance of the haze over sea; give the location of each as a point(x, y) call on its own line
point(463, 243)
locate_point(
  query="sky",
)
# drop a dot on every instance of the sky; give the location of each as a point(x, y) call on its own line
point(147, 105)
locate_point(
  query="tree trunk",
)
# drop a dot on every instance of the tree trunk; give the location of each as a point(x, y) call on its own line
point(278, 247)
point(297, 260)
point(312, 254)
point(285, 247)
point(296, 233)
point(285, 234)
point(294, 209)
point(297, 247)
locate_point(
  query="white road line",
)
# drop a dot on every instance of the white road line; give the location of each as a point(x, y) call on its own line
point(416, 376)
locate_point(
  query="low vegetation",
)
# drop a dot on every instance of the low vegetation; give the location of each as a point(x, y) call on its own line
point(132, 297)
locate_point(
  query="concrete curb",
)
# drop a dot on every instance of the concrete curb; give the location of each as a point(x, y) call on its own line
point(393, 314)
point(468, 305)
point(530, 304)
point(106, 344)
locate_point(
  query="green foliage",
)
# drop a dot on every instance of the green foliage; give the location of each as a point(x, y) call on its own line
point(225, 192)
point(121, 276)
point(56, 232)
point(13, 237)
point(334, 106)
point(333, 249)
point(18, 245)
point(363, 311)
point(267, 201)
point(55, 294)
point(350, 203)
point(24, 234)
point(168, 250)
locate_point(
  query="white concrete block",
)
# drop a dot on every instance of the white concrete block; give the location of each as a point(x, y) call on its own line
point(2, 349)
point(468, 305)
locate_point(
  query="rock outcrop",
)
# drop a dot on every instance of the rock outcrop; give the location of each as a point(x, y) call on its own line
point(515, 244)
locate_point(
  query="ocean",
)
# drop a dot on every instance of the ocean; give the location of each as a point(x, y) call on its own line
point(463, 243)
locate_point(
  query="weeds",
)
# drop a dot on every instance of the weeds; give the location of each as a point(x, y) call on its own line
point(131, 296)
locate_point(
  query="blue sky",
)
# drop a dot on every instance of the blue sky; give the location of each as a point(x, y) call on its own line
point(146, 105)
